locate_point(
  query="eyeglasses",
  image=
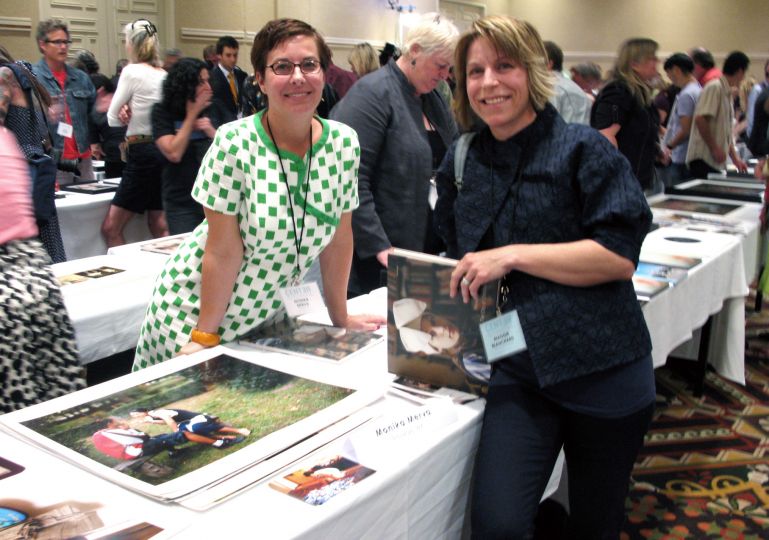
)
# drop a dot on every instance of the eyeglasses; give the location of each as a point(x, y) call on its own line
point(283, 68)
point(59, 42)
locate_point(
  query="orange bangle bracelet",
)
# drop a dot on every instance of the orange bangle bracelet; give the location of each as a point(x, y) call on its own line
point(205, 338)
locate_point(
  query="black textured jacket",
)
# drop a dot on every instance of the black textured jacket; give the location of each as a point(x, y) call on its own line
point(572, 184)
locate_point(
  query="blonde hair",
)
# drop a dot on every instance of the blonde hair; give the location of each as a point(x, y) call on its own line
point(632, 51)
point(142, 35)
point(512, 38)
point(363, 59)
point(434, 33)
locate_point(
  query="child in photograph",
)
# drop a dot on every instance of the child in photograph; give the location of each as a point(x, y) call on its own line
point(190, 421)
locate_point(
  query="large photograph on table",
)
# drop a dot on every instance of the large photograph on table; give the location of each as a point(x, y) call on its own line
point(168, 427)
point(720, 190)
point(698, 207)
point(433, 338)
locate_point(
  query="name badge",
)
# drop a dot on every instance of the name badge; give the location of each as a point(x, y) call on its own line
point(302, 299)
point(502, 336)
point(64, 129)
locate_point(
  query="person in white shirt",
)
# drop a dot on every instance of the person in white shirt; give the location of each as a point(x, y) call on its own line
point(139, 88)
point(569, 100)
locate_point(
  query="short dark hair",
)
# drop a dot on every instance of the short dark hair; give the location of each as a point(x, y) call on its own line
point(736, 61)
point(50, 25)
point(102, 81)
point(702, 57)
point(276, 32)
point(554, 55)
point(680, 60)
point(226, 41)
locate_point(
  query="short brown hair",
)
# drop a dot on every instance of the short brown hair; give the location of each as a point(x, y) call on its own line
point(276, 32)
point(515, 39)
point(47, 26)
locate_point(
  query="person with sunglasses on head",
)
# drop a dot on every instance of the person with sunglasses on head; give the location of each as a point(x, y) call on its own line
point(404, 127)
point(139, 88)
point(73, 96)
point(278, 189)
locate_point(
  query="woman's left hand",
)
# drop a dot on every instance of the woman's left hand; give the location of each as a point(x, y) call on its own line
point(365, 322)
point(477, 269)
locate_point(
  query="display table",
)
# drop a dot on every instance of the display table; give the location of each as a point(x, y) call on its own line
point(419, 489)
point(80, 219)
point(717, 285)
point(107, 312)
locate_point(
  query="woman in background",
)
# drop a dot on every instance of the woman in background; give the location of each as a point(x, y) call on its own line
point(38, 354)
point(184, 124)
point(404, 127)
point(553, 211)
point(363, 59)
point(623, 111)
point(139, 87)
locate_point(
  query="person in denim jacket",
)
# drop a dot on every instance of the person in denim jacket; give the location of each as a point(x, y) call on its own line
point(60, 79)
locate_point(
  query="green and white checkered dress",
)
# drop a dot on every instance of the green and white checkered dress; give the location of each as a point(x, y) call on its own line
point(240, 175)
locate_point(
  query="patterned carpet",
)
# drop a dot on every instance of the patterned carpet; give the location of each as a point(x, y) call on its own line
point(704, 469)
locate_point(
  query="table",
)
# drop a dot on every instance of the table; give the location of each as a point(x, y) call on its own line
point(107, 312)
point(80, 219)
point(717, 285)
point(419, 490)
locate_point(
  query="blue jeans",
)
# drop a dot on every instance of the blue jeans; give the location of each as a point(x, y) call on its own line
point(521, 437)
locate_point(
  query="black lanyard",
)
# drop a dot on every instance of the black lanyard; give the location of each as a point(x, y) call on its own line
point(297, 237)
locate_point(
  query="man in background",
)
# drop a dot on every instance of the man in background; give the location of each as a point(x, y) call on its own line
point(711, 137)
point(569, 99)
point(679, 68)
point(227, 78)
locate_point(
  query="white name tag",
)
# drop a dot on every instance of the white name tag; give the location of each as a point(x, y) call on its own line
point(302, 299)
point(64, 129)
point(502, 336)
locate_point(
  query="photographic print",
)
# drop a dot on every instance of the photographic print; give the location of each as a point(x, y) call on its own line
point(664, 259)
point(85, 275)
point(90, 188)
point(432, 337)
point(183, 422)
point(699, 207)
point(164, 246)
point(647, 288)
point(311, 339)
point(660, 272)
point(319, 482)
point(9, 468)
point(720, 190)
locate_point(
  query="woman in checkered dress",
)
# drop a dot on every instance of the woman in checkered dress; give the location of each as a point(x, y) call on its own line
point(278, 189)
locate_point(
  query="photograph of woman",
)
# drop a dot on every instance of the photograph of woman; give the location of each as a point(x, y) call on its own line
point(278, 189)
point(555, 212)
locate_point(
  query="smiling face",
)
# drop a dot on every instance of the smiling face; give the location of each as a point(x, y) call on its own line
point(498, 90)
point(55, 53)
point(298, 92)
point(428, 70)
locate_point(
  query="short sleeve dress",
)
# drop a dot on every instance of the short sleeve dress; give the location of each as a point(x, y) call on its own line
point(241, 176)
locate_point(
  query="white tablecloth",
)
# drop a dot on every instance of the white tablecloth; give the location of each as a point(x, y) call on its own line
point(107, 312)
point(80, 219)
point(419, 490)
point(718, 284)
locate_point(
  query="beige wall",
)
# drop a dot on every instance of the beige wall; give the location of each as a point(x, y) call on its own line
point(585, 29)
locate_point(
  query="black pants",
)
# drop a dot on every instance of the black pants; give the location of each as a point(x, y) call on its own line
point(700, 169)
point(521, 437)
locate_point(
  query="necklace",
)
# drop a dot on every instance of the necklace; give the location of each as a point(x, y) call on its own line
point(297, 237)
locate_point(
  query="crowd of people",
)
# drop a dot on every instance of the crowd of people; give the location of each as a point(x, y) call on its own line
point(303, 164)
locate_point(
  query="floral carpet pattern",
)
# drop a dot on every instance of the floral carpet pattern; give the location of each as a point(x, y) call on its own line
point(704, 468)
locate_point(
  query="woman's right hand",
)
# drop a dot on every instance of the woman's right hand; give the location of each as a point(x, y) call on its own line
point(190, 348)
point(202, 100)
